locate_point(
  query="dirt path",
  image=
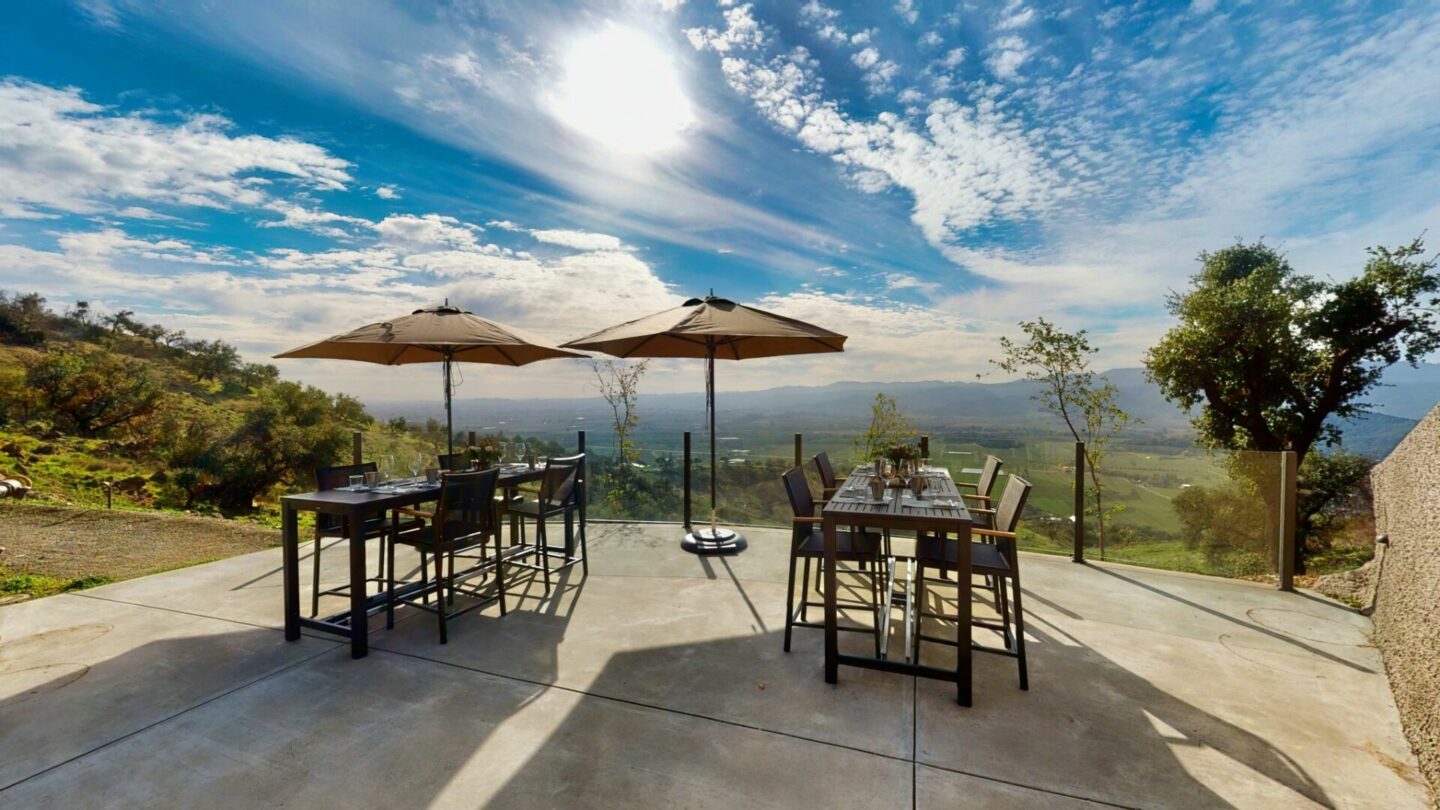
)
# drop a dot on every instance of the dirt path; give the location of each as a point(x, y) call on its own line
point(74, 543)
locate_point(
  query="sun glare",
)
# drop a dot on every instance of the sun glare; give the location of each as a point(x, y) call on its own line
point(622, 89)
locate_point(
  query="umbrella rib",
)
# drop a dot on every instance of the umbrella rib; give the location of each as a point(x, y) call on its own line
point(506, 355)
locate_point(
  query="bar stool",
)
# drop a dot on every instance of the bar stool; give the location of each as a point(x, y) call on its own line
point(808, 543)
point(995, 560)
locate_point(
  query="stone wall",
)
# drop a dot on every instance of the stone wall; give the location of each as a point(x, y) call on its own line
point(1407, 596)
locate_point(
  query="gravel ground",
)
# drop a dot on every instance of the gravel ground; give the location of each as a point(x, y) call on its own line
point(72, 543)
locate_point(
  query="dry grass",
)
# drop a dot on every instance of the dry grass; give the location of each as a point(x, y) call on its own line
point(63, 544)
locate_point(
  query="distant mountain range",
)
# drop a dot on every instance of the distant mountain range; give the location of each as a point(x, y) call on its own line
point(1409, 393)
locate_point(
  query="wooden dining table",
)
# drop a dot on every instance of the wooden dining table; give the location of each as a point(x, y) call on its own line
point(355, 506)
point(939, 510)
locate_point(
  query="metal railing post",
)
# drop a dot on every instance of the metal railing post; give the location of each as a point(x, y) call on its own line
point(1078, 555)
point(687, 480)
point(799, 449)
point(357, 441)
point(1289, 505)
point(471, 439)
point(925, 445)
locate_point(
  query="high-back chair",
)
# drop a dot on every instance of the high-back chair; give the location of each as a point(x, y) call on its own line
point(454, 462)
point(985, 484)
point(463, 520)
point(560, 494)
point(996, 559)
point(329, 527)
point(828, 482)
point(807, 542)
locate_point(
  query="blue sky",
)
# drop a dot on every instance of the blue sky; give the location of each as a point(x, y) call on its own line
point(918, 175)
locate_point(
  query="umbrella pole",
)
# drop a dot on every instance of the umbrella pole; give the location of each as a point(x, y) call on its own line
point(449, 421)
point(710, 406)
point(716, 540)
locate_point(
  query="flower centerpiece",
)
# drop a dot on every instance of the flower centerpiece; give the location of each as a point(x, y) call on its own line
point(486, 452)
point(902, 453)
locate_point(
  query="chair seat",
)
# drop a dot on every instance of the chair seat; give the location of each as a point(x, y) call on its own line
point(532, 508)
point(849, 546)
point(423, 535)
point(374, 527)
point(985, 558)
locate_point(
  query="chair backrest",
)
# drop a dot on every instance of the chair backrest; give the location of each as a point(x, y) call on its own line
point(578, 462)
point(827, 472)
point(467, 504)
point(798, 490)
point(339, 476)
point(454, 462)
point(986, 484)
point(334, 478)
point(1012, 503)
point(557, 485)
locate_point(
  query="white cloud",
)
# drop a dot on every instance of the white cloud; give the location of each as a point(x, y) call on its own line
point(427, 230)
point(866, 58)
point(967, 166)
point(930, 39)
point(741, 32)
point(579, 240)
point(324, 223)
point(1015, 16)
point(62, 154)
point(907, 11)
point(387, 193)
point(1007, 54)
point(953, 57)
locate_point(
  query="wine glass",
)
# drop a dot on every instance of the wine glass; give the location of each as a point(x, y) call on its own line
point(417, 461)
point(520, 452)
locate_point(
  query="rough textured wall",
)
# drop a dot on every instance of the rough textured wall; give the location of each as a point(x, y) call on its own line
point(1407, 600)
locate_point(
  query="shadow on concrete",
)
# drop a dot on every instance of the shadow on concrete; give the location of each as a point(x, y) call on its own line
point(1092, 728)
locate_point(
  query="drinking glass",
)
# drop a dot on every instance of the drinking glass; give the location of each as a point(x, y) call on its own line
point(520, 452)
point(357, 481)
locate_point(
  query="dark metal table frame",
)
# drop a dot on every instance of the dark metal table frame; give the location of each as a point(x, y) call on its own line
point(905, 516)
point(354, 623)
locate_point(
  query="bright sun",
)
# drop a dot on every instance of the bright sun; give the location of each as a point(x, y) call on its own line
point(621, 88)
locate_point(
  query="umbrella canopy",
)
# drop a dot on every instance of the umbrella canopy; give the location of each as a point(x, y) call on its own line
point(443, 334)
point(712, 328)
point(431, 336)
point(702, 325)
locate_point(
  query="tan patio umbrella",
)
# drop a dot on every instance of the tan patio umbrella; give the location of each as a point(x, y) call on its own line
point(712, 328)
point(444, 334)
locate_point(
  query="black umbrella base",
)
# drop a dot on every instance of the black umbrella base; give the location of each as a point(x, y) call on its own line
point(716, 541)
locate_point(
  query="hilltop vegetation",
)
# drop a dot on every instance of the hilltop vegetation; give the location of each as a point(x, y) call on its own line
point(170, 421)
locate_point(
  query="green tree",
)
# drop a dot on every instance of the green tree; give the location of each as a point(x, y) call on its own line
point(211, 359)
point(619, 384)
point(90, 391)
point(23, 318)
point(888, 427)
point(289, 431)
point(1060, 362)
point(1268, 355)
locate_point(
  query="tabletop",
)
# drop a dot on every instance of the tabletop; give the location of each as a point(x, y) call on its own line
point(383, 497)
point(940, 501)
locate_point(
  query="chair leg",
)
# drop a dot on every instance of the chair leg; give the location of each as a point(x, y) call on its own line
point(500, 570)
point(919, 611)
point(442, 584)
point(1002, 601)
point(543, 544)
point(390, 587)
point(450, 579)
point(790, 598)
point(584, 550)
point(805, 592)
point(315, 585)
point(1020, 638)
point(425, 576)
point(875, 602)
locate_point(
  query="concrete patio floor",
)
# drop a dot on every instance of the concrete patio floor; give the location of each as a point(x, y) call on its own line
point(659, 680)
